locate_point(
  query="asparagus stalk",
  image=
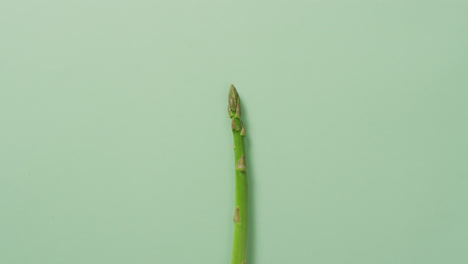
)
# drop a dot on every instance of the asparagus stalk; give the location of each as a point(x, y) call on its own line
point(239, 252)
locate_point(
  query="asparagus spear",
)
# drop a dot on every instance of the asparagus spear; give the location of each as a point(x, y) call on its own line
point(239, 252)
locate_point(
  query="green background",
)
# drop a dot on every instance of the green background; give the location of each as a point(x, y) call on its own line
point(115, 142)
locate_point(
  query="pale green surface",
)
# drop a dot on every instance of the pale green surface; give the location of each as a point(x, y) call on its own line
point(115, 146)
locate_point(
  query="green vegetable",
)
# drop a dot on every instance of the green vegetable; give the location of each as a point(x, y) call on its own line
point(239, 252)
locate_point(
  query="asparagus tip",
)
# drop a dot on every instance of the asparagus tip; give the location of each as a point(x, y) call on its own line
point(234, 102)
